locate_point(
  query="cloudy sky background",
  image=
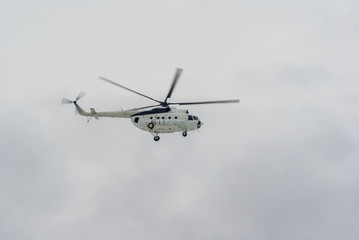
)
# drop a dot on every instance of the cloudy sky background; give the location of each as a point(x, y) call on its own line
point(282, 164)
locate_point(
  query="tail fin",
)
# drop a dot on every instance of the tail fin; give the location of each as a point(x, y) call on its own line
point(79, 109)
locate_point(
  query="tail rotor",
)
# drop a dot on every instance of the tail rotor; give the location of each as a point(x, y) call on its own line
point(81, 95)
point(77, 107)
point(67, 101)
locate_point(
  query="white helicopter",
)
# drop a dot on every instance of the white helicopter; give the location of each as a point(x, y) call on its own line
point(159, 118)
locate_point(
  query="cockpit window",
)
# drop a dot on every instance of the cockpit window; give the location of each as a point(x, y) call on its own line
point(190, 117)
point(195, 118)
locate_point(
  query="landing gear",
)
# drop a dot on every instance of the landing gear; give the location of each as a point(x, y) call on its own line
point(184, 133)
point(154, 134)
point(151, 126)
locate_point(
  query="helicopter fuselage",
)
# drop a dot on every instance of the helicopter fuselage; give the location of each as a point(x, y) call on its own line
point(162, 120)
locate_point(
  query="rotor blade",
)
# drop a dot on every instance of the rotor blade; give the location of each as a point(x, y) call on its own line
point(144, 107)
point(174, 82)
point(65, 101)
point(81, 95)
point(118, 85)
point(207, 102)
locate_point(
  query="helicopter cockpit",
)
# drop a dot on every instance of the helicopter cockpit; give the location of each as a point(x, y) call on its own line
point(194, 118)
point(190, 117)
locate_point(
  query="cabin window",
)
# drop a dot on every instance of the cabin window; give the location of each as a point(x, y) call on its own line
point(176, 117)
point(151, 117)
point(190, 117)
point(158, 117)
point(163, 117)
point(169, 117)
point(136, 119)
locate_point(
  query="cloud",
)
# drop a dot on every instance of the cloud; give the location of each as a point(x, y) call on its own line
point(281, 164)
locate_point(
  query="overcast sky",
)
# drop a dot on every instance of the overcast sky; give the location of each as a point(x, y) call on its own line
point(283, 164)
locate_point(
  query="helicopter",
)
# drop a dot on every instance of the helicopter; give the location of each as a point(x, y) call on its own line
point(155, 119)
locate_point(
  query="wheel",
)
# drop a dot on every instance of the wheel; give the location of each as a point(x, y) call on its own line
point(151, 126)
point(156, 138)
point(184, 133)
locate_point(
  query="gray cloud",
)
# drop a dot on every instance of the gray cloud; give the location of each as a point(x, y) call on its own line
point(280, 165)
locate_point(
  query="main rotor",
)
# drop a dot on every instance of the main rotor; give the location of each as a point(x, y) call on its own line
point(165, 103)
